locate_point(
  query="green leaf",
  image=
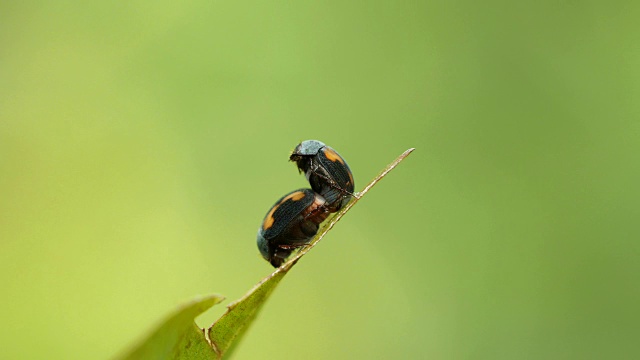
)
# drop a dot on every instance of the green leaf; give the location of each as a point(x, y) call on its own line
point(177, 337)
point(234, 323)
point(227, 331)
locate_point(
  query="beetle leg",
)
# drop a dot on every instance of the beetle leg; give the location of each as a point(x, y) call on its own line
point(320, 209)
point(279, 256)
point(331, 182)
point(291, 247)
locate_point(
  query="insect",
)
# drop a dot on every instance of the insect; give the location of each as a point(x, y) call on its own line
point(326, 171)
point(290, 223)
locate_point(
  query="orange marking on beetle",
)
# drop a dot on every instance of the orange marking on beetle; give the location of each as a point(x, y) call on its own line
point(295, 196)
point(332, 155)
point(269, 220)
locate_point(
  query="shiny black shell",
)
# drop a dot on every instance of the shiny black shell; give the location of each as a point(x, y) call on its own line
point(290, 223)
point(327, 172)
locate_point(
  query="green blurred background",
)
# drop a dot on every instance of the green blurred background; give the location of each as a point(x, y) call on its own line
point(141, 144)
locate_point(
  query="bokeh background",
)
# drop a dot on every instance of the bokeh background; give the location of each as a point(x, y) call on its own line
point(141, 144)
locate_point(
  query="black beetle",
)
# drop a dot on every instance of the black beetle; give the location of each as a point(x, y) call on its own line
point(326, 171)
point(290, 223)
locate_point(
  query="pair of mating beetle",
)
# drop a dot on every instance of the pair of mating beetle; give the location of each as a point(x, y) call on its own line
point(294, 219)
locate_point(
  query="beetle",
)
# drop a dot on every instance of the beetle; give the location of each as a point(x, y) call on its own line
point(290, 223)
point(327, 172)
